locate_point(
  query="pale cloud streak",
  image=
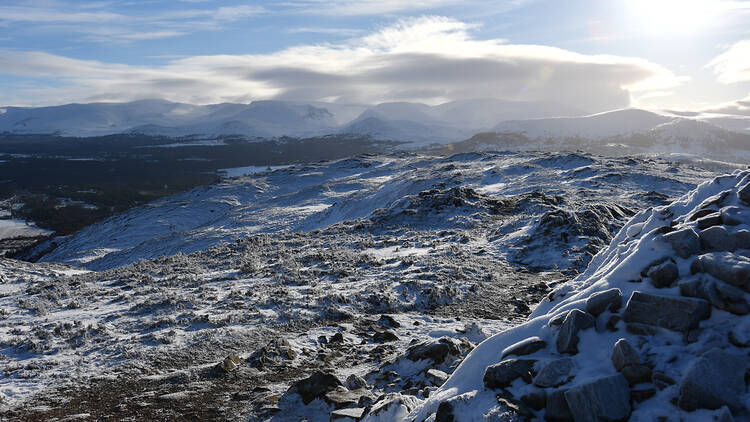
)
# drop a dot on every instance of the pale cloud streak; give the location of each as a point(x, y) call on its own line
point(733, 65)
point(428, 59)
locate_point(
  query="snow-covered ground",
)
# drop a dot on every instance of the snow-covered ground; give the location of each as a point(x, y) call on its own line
point(309, 258)
point(18, 228)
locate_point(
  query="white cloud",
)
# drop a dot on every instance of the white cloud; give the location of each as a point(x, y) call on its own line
point(428, 59)
point(733, 65)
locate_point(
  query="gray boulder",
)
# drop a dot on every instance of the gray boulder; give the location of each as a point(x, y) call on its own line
point(713, 380)
point(726, 266)
point(733, 216)
point(350, 414)
point(524, 347)
point(437, 350)
point(354, 382)
point(741, 239)
point(673, 313)
point(636, 374)
point(601, 301)
point(685, 242)
point(501, 375)
point(605, 399)
point(555, 373)
point(315, 386)
point(664, 274)
point(436, 377)
point(744, 193)
point(717, 238)
point(557, 409)
point(567, 337)
point(623, 354)
point(721, 295)
point(709, 220)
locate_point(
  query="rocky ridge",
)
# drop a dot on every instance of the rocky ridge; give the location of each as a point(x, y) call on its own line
point(655, 329)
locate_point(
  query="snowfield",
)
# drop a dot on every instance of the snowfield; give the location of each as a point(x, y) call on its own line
point(384, 272)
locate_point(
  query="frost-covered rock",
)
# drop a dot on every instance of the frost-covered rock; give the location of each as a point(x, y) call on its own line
point(733, 216)
point(501, 374)
point(391, 407)
point(525, 347)
point(726, 266)
point(717, 238)
point(713, 380)
point(685, 242)
point(555, 373)
point(437, 350)
point(664, 274)
point(673, 313)
point(315, 386)
point(623, 354)
point(604, 399)
point(599, 302)
point(567, 337)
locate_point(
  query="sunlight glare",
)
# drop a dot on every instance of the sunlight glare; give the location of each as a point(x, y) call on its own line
point(668, 17)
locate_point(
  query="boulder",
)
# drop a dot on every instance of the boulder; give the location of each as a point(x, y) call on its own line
point(701, 213)
point(354, 382)
point(341, 397)
point(642, 394)
point(685, 242)
point(717, 238)
point(636, 374)
point(384, 336)
point(555, 373)
point(557, 409)
point(601, 301)
point(230, 363)
point(709, 220)
point(733, 216)
point(392, 407)
point(524, 347)
point(726, 266)
point(567, 337)
point(315, 386)
point(664, 274)
point(275, 352)
point(741, 239)
point(604, 399)
point(436, 377)
point(436, 351)
point(449, 409)
point(501, 375)
point(535, 399)
point(623, 354)
point(388, 321)
point(721, 295)
point(673, 313)
point(713, 380)
point(352, 413)
point(744, 193)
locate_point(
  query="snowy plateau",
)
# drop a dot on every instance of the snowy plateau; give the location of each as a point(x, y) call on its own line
point(388, 287)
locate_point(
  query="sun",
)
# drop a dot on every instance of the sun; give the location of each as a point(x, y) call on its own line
point(674, 17)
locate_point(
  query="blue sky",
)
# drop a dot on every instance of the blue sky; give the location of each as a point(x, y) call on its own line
point(685, 54)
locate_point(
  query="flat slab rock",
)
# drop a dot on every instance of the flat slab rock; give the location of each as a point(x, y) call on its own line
point(605, 399)
point(554, 373)
point(567, 337)
point(670, 312)
point(524, 347)
point(501, 375)
point(685, 242)
point(601, 301)
point(726, 266)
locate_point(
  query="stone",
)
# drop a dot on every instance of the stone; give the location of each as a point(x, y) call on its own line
point(601, 301)
point(388, 321)
point(701, 213)
point(395, 406)
point(623, 354)
point(337, 338)
point(604, 399)
point(315, 386)
point(662, 380)
point(673, 313)
point(352, 413)
point(555, 373)
point(642, 394)
point(685, 242)
point(385, 336)
point(231, 363)
point(739, 335)
point(612, 322)
point(436, 377)
point(741, 239)
point(713, 380)
point(436, 351)
point(717, 238)
point(664, 274)
point(341, 397)
point(636, 374)
point(567, 337)
point(721, 295)
point(535, 399)
point(557, 409)
point(726, 266)
point(524, 347)
point(501, 375)
point(733, 216)
point(354, 382)
point(448, 409)
point(276, 351)
point(743, 193)
point(723, 415)
point(709, 220)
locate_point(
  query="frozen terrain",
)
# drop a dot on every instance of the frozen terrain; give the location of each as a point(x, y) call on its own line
point(210, 304)
point(656, 328)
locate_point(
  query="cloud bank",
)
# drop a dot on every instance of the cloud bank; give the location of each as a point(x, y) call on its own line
point(428, 59)
point(733, 65)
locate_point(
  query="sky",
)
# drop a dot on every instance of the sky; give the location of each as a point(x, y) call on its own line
point(590, 54)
